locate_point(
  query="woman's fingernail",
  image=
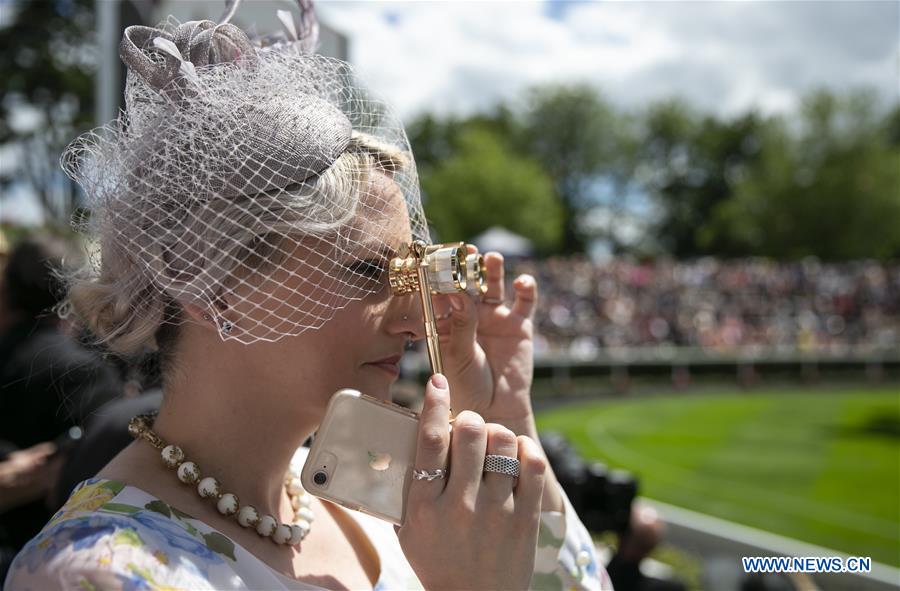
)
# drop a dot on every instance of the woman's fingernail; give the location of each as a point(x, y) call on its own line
point(456, 304)
point(439, 381)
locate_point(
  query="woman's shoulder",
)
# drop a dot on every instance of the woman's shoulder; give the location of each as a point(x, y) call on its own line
point(110, 535)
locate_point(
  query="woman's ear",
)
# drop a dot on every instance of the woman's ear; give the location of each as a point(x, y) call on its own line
point(200, 316)
point(212, 318)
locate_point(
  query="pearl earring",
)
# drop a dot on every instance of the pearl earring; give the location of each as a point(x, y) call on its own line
point(406, 318)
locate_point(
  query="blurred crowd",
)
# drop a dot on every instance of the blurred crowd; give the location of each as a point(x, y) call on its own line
point(715, 305)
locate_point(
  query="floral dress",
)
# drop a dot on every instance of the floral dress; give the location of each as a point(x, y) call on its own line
point(110, 535)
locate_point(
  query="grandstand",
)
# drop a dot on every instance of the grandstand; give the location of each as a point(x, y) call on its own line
point(716, 306)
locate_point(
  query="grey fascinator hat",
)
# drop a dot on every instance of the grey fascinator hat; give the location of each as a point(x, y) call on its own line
point(249, 177)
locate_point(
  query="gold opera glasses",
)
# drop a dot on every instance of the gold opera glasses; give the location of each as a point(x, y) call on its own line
point(436, 269)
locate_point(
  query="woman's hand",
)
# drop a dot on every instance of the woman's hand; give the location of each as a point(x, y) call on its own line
point(470, 529)
point(487, 348)
point(488, 353)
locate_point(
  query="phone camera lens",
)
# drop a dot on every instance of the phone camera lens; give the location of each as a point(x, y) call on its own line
point(320, 477)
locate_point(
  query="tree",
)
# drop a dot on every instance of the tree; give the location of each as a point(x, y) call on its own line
point(579, 139)
point(831, 189)
point(485, 184)
point(688, 164)
point(432, 140)
point(824, 182)
point(47, 66)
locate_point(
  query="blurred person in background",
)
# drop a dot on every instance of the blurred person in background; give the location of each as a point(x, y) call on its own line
point(48, 384)
point(644, 533)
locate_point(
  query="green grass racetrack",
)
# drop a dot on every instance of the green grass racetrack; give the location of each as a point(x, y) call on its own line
point(821, 467)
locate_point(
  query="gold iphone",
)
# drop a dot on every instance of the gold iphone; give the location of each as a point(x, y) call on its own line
point(363, 454)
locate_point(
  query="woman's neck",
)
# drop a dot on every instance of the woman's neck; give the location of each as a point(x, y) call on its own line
point(215, 411)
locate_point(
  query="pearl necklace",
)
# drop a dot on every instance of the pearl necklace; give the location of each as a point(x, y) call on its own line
point(140, 427)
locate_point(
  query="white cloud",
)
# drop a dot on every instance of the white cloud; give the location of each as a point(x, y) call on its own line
point(461, 57)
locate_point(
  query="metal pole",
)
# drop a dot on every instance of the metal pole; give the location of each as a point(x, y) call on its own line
point(106, 84)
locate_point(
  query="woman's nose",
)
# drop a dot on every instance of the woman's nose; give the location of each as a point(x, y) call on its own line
point(410, 319)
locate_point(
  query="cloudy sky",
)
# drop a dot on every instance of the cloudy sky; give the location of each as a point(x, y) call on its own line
point(723, 56)
point(460, 57)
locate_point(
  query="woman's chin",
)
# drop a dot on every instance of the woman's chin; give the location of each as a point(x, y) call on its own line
point(380, 377)
point(377, 387)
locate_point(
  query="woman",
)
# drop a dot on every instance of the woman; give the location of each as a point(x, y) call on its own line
point(246, 210)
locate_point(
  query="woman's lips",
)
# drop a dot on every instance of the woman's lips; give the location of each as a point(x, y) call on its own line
point(388, 364)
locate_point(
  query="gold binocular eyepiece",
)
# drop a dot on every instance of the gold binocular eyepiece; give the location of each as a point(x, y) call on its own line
point(436, 269)
point(448, 268)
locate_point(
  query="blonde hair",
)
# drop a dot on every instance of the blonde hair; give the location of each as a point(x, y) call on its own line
point(127, 312)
